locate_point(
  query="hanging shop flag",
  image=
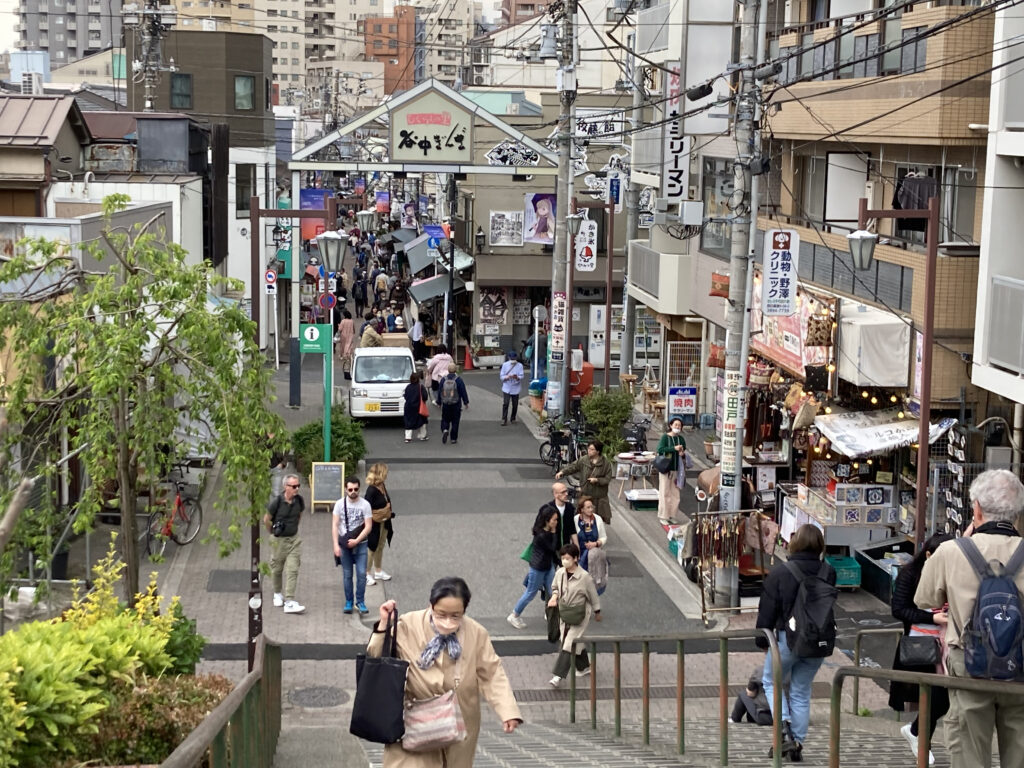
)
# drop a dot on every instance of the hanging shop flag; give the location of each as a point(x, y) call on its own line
point(675, 172)
point(778, 293)
point(558, 327)
point(586, 246)
point(383, 199)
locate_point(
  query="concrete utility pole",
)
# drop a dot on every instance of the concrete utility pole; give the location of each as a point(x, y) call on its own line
point(740, 281)
point(558, 370)
point(151, 23)
point(632, 230)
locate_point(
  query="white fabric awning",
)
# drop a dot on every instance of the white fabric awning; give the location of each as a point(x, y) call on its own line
point(857, 433)
point(432, 287)
point(874, 346)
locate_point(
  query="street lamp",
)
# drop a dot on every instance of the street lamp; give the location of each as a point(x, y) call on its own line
point(480, 238)
point(332, 249)
point(366, 220)
point(862, 248)
point(574, 221)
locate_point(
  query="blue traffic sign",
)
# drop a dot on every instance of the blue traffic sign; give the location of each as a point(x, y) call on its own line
point(434, 230)
point(433, 243)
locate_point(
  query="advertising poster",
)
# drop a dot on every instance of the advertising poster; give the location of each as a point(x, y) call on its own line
point(312, 200)
point(409, 215)
point(558, 328)
point(781, 247)
point(424, 205)
point(383, 200)
point(506, 228)
point(493, 305)
point(539, 224)
point(586, 247)
point(360, 186)
point(521, 307)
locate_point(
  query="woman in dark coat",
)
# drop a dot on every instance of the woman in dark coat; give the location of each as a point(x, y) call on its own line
point(383, 530)
point(904, 609)
point(415, 393)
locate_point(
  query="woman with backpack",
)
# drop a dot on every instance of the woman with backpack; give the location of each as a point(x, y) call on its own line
point(799, 588)
point(904, 609)
point(451, 396)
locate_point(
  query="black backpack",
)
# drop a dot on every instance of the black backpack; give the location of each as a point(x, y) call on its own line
point(811, 628)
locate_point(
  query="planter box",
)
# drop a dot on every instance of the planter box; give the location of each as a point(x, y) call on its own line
point(488, 361)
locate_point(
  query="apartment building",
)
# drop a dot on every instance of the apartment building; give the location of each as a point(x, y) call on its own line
point(397, 42)
point(515, 11)
point(217, 15)
point(284, 22)
point(448, 26)
point(68, 29)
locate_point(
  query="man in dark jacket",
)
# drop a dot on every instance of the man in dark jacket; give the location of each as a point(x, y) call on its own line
point(566, 512)
point(451, 396)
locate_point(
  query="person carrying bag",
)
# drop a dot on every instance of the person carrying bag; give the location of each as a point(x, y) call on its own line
point(379, 704)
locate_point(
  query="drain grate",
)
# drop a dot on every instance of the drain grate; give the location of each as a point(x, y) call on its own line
point(228, 581)
point(318, 697)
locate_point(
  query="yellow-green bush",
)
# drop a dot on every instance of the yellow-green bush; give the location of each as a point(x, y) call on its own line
point(12, 713)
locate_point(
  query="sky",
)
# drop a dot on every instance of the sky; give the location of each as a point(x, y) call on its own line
point(8, 20)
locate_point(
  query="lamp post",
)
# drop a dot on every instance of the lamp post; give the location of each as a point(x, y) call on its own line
point(332, 250)
point(862, 247)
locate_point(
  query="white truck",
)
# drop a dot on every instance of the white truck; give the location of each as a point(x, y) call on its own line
point(379, 378)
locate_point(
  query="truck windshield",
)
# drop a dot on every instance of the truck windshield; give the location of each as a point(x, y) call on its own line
point(384, 370)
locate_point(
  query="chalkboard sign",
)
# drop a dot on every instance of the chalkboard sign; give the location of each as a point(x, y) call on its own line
point(327, 481)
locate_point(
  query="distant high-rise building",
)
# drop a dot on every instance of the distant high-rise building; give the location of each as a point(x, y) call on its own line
point(68, 29)
point(394, 40)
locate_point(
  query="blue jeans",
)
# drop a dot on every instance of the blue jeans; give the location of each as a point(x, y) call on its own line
point(354, 557)
point(796, 707)
point(534, 581)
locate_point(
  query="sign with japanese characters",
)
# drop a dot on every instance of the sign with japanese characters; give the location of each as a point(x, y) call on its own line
point(431, 129)
point(675, 170)
point(558, 327)
point(509, 152)
point(600, 126)
point(586, 246)
point(682, 401)
point(778, 291)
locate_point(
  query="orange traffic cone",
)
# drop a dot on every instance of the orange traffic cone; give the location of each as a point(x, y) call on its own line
point(467, 363)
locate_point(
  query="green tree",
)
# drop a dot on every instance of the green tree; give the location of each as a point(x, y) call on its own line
point(117, 356)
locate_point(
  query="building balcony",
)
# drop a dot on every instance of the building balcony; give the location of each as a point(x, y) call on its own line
point(661, 280)
point(71, 24)
point(95, 24)
point(999, 342)
point(823, 64)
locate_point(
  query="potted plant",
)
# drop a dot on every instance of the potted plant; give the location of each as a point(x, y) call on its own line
point(488, 357)
point(713, 446)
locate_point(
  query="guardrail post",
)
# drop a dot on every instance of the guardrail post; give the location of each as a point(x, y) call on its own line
point(617, 674)
point(593, 686)
point(723, 699)
point(572, 684)
point(924, 719)
point(681, 695)
point(835, 718)
point(646, 646)
point(856, 680)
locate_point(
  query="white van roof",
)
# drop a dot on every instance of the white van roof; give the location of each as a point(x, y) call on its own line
point(384, 351)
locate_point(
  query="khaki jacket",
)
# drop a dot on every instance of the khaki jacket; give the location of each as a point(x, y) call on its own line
point(948, 577)
point(480, 670)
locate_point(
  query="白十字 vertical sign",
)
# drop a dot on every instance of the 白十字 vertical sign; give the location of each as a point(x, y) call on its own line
point(675, 171)
point(778, 291)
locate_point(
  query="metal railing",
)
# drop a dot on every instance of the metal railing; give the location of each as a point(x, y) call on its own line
point(856, 657)
point(243, 729)
point(680, 640)
point(925, 682)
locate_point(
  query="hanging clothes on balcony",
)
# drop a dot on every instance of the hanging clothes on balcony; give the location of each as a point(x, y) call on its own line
point(912, 193)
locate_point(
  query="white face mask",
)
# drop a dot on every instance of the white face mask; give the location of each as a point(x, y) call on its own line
point(567, 562)
point(446, 625)
point(676, 430)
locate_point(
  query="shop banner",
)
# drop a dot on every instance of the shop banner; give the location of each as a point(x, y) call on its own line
point(558, 328)
point(675, 171)
point(383, 200)
point(857, 434)
point(731, 457)
point(312, 200)
point(781, 248)
point(782, 337)
point(682, 401)
point(586, 247)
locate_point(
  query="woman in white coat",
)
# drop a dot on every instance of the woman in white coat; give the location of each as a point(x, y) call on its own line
point(573, 591)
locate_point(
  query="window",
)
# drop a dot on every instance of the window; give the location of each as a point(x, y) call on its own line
point(913, 53)
point(245, 92)
point(392, 28)
point(295, 62)
point(392, 43)
point(378, 43)
point(717, 179)
point(377, 28)
point(295, 78)
point(295, 46)
point(891, 45)
point(181, 91)
point(245, 187)
point(807, 56)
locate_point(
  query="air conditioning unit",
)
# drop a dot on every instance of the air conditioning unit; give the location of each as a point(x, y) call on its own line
point(208, 25)
point(32, 83)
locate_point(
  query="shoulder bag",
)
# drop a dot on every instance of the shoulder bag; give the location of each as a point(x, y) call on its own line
point(434, 723)
point(424, 409)
point(348, 533)
point(377, 710)
point(572, 615)
point(383, 514)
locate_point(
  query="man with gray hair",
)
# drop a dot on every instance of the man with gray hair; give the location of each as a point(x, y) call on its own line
point(997, 499)
point(282, 521)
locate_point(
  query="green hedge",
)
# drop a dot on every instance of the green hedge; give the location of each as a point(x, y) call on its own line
point(347, 442)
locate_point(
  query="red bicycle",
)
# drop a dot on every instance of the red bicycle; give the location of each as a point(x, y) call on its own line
point(179, 522)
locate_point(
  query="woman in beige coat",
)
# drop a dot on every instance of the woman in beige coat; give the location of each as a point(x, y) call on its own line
point(573, 587)
point(439, 643)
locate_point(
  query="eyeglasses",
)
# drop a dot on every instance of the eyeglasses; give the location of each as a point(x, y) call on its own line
point(352, 489)
point(291, 485)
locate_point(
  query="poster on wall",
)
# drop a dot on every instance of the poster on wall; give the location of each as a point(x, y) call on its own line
point(493, 305)
point(521, 307)
point(312, 200)
point(424, 205)
point(506, 228)
point(409, 215)
point(383, 198)
point(539, 224)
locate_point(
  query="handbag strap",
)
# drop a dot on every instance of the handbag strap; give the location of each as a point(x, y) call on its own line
point(391, 636)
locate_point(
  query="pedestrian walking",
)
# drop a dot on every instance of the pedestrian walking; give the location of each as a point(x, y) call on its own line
point(575, 595)
point(284, 512)
point(359, 292)
point(437, 367)
point(596, 474)
point(447, 650)
point(417, 333)
point(542, 563)
point(351, 523)
point(950, 576)
point(382, 532)
point(452, 397)
point(370, 336)
point(776, 612)
point(566, 512)
point(511, 376)
point(415, 413)
point(346, 342)
point(673, 446)
point(917, 621)
point(590, 536)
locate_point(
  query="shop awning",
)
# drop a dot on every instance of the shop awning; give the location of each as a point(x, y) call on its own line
point(857, 433)
point(420, 256)
point(432, 287)
point(874, 346)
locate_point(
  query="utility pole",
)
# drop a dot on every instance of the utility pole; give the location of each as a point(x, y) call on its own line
point(151, 23)
point(741, 281)
point(558, 370)
point(632, 228)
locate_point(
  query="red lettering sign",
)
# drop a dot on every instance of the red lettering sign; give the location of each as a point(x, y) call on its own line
point(429, 118)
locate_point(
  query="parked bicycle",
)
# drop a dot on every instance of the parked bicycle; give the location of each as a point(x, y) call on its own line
point(635, 434)
point(566, 443)
point(179, 521)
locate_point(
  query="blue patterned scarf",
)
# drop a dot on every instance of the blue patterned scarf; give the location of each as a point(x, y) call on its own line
point(438, 644)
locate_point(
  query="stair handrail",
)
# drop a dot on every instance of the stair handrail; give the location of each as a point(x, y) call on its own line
point(723, 637)
point(855, 707)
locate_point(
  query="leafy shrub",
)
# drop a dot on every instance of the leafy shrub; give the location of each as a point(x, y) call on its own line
point(146, 722)
point(12, 713)
point(347, 442)
point(607, 412)
point(185, 645)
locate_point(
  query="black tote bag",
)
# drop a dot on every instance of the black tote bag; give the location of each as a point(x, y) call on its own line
point(378, 708)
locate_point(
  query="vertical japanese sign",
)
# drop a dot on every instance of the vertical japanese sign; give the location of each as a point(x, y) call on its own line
point(586, 247)
point(558, 327)
point(675, 171)
point(778, 292)
point(731, 452)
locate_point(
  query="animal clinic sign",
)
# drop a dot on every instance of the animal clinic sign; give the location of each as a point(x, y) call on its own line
point(431, 129)
point(778, 289)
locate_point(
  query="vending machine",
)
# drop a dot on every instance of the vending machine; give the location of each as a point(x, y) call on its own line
point(595, 347)
point(647, 341)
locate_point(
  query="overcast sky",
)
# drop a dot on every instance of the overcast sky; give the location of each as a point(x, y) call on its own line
point(8, 18)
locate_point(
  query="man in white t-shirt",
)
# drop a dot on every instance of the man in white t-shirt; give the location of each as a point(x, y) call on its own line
point(350, 527)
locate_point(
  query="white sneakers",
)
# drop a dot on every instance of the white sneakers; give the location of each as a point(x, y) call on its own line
point(369, 580)
point(516, 622)
point(291, 606)
point(382, 576)
point(278, 599)
point(912, 741)
point(555, 681)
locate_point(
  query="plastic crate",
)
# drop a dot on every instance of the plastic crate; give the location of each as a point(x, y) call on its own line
point(847, 570)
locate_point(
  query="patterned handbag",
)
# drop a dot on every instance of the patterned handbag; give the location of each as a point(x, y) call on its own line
point(434, 723)
point(819, 331)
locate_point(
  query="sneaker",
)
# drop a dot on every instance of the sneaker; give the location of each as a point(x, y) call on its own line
point(582, 672)
point(516, 622)
point(504, 423)
point(555, 681)
point(382, 576)
point(361, 607)
point(348, 606)
point(424, 439)
point(278, 599)
point(369, 580)
point(444, 436)
point(455, 442)
point(291, 606)
point(913, 742)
